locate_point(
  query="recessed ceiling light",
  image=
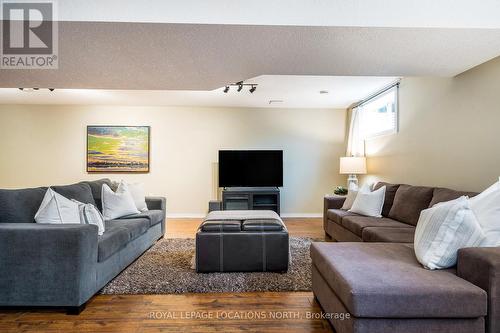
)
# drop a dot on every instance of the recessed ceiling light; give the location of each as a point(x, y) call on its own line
point(275, 101)
point(322, 92)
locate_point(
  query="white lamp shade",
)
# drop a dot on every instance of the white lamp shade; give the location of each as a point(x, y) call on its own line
point(353, 165)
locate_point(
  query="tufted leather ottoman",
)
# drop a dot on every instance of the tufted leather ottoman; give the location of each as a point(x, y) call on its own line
point(242, 241)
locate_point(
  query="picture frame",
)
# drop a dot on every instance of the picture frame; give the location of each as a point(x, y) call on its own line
point(118, 149)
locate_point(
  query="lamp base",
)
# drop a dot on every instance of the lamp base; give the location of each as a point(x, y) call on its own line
point(352, 182)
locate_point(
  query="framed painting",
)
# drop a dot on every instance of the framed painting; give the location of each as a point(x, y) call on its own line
point(118, 149)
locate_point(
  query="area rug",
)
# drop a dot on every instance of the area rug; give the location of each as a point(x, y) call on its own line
point(166, 268)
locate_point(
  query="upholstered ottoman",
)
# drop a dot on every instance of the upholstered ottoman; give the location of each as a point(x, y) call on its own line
point(383, 288)
point(242, 241)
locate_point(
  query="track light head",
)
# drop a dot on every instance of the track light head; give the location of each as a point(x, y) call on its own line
point(240, 85)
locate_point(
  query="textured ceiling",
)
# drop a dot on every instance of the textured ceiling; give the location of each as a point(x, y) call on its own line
point(154, 56)
point(339, 13)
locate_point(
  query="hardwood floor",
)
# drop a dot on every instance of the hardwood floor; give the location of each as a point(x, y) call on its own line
point(310, 227)
point(228, 312)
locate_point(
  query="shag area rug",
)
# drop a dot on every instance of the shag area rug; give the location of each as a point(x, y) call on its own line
point(167, 268)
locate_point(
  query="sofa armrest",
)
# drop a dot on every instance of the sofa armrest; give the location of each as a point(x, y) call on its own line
point(331, 202)
point(47, 264)
point(481, 266)
point(158, 203)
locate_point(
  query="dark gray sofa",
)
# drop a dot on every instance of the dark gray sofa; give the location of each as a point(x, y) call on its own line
point(65, 265)
point(383, 287)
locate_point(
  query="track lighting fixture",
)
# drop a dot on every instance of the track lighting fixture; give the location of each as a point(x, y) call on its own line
point(240, 85)
point(34, 89)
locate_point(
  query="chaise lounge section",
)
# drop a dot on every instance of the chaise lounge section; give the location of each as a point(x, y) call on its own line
point(54, 265)
point(385, 289)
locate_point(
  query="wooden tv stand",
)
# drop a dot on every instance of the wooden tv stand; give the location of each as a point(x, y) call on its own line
point(251, 198)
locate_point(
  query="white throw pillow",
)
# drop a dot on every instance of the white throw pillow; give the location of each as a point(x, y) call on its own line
point(117, 204)
point(57, 209)
point(349, 200)
point(369, 203)
point(444, 229)
point(137, 191)
point(486, 207)
point(351, 196)
point(89, 214)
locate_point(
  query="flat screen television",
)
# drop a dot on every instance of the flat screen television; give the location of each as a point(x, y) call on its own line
point(250, 168)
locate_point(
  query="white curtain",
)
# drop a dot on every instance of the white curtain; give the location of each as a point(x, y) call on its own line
point(355, 140)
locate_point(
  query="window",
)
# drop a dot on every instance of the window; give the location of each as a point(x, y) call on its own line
point(379, 115)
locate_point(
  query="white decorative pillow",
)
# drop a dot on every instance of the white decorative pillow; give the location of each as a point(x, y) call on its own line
point(444, 229)
point(349, 200)
point(89, 214)
point(369, 203)
point(486, 207)
point(137, 191)
point(57, 209)
point(351, 196)
point(117, 204)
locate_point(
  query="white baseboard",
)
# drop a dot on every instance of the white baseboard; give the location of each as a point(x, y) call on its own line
point(185, 216)
point(200, 216)
point(302, 215)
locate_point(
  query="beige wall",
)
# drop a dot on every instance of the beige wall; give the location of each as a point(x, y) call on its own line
point(43, 145)
point(449, 132)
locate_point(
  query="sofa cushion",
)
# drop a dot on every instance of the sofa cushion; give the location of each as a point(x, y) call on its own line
point(384, 280)
point(409, 202)
point(154, 216)
point(96, 188)
point(445, 194)
point(218, 226)
point(20, 206)
point(388, 235)
point(113, 240)
point(79, 192)
point(390, 193)
point(135, 227)
point(356, 224)
point(336, 215)
point(262, 225)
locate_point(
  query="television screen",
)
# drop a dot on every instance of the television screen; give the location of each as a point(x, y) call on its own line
point(250, 168)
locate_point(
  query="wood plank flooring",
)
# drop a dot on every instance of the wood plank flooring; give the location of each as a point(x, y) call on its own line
point(227, 312)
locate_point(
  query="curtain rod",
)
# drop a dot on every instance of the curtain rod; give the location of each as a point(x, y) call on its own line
point(378, 93)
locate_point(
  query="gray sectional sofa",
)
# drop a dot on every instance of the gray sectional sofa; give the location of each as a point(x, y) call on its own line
point(65, 265)
point(400, 213)
point(372, 274)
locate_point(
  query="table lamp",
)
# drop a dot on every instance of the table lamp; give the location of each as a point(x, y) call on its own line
point(352, 166)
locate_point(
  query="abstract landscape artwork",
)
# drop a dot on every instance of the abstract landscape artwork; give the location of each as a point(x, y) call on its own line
point(118, 148)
